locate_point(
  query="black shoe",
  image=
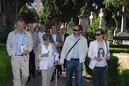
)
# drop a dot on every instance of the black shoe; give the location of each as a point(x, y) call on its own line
point(58, 76)
point(38, 72)
point(33, 75)
point(52, 77)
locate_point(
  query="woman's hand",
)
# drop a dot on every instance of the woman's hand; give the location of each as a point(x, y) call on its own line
point(98, 59)
point(107, 58)
point(45, 55)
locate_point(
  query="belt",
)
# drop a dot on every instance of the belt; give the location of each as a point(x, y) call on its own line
point(19, 55)
point(75, 59)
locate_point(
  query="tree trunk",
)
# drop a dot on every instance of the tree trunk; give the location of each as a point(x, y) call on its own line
point(11, 14)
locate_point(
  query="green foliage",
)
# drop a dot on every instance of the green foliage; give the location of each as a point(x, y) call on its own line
point(124, 78)
point(61, 10)
point(5, 67)
point(113, 71)
point(28, 14)
point(119, 50)
point(117, 3)
point(119, 46)
point(91, 28)
point(69, 31)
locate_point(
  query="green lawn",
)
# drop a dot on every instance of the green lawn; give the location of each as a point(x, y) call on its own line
point(5, 68)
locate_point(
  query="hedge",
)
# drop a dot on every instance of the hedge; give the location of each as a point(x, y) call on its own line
point(119, 46)
point(119, 50)
point(5, 67)
point(117, 75)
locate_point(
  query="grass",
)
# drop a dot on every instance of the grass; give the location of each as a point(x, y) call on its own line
point(5, 67)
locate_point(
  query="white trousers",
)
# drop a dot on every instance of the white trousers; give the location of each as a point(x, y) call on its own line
point(20, 69)
point(46, 76)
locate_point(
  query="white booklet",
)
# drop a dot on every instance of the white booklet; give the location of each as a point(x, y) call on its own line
point(43, 64)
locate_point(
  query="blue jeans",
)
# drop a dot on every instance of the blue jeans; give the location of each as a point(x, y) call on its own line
point(73, 65)
point(100, 76)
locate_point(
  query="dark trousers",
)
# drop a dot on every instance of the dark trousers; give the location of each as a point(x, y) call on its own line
point(31, 65)
point(59, 69)
point(100, 76)
point(64, 65)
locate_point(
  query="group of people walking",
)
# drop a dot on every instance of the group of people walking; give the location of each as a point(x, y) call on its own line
point(34, 48)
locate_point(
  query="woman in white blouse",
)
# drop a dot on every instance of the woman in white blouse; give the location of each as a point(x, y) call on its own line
point(48, 57)
point(99, 54)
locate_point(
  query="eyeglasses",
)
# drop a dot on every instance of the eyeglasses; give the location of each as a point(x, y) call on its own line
point(97, 34)
point(75, 30)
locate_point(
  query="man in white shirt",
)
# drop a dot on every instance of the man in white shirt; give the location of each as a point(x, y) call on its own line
point(75, 56)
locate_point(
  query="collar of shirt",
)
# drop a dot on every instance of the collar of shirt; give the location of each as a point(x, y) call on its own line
point(54, 37)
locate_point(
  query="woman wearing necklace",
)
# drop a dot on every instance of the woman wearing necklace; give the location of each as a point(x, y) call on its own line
point(48, 57)
point(99, 54)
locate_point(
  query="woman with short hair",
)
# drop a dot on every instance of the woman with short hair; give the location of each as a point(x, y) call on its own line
point(48, 59)
point(99, 54)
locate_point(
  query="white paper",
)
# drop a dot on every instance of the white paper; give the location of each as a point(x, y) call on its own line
point(43, 64)
point(23, 47)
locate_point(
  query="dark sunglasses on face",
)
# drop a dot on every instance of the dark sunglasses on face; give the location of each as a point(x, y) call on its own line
point(75, 30)
point(97, 34)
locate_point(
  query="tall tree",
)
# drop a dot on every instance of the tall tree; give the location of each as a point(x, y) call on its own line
point(124, 6)
point(29, 14)
point(63, 10)
point(10, 9)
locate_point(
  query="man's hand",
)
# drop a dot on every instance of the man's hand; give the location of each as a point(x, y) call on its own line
point(25, 52)
point(98, 59)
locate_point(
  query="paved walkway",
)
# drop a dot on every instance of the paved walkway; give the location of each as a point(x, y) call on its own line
point(123, 59)
point(61, 81)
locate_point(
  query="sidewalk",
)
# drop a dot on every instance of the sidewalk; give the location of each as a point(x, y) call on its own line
point(61, 81)
point(123, 59)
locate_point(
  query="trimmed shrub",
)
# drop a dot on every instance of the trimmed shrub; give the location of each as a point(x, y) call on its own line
point(119, 50)
point(124, 77)
point(5, 67)
point(119, 46)
point(113, 70)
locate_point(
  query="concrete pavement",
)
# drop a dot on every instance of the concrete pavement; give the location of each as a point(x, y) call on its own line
point(61, 81)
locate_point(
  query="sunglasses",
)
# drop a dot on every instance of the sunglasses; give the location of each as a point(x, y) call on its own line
point(97, 34)
point(75, 30)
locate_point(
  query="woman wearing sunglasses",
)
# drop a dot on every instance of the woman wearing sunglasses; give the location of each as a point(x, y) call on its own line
point(99, 54)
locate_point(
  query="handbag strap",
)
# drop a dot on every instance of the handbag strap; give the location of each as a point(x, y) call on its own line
point(106, 46)
point(72, 47)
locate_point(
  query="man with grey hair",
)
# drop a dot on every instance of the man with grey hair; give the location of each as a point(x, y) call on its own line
point(19, 45)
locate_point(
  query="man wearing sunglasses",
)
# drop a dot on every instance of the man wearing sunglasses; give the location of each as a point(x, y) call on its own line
point(74, 51)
